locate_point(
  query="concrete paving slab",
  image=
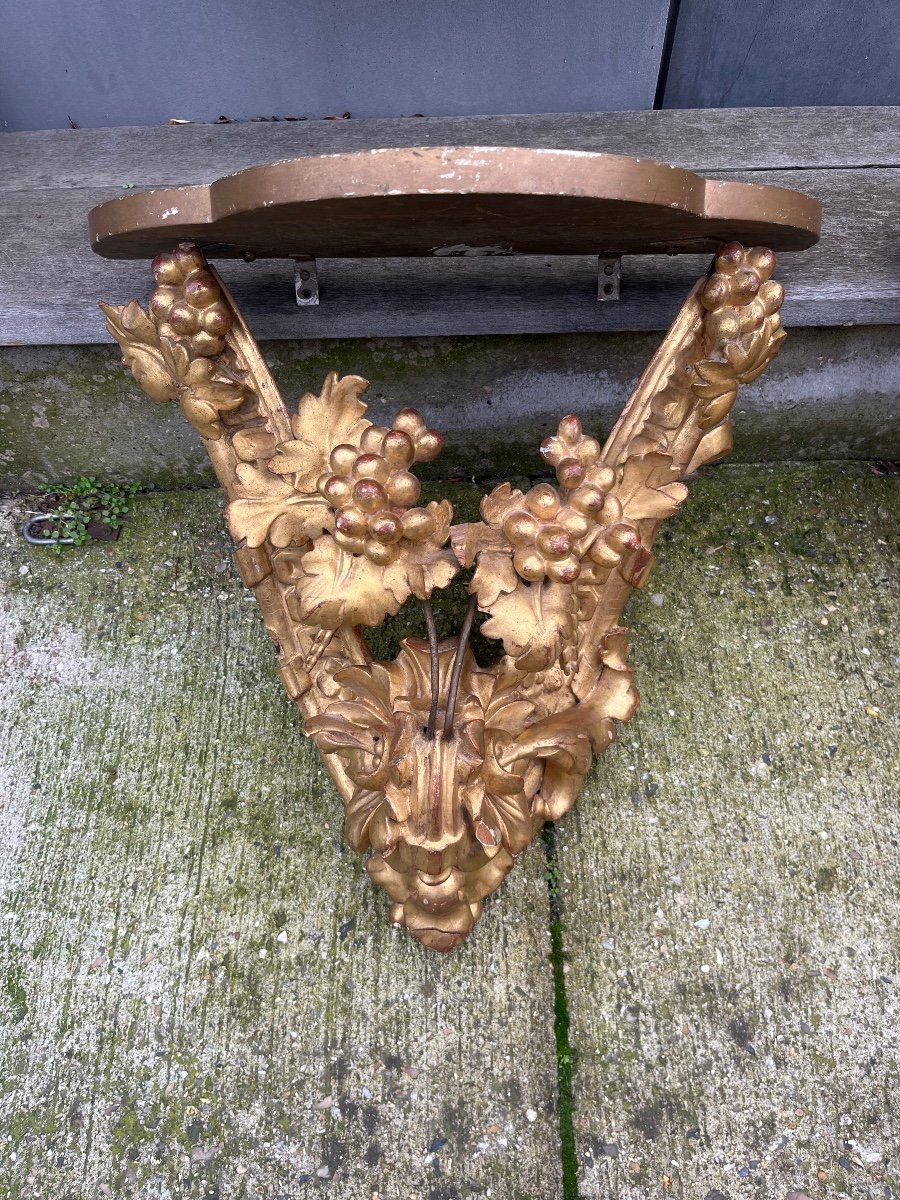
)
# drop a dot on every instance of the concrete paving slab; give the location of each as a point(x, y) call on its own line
point(728, 881)
point(201, 996)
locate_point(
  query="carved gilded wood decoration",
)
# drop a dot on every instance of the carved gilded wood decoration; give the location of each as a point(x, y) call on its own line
point(447, 769)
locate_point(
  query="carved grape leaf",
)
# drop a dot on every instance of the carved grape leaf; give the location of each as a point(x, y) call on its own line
point(502, 500)
point(252, 444)
point(494, 577)
point(166, 370)
point(648, 487)
point(534, 622)
point(480, 538)
point(141, 350)
point(333, 418)
point(348, 589)
point(270, 508)
point(497, 799)
point(207, 391)
point(427, 565)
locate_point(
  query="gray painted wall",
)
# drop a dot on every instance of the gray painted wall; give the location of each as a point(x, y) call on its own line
point(104, 63)
point(761, 53)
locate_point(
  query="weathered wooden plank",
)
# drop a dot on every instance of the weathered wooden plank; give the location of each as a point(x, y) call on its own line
point(201, 994)
point(702, 140)
point(851, 277)
point(728, 880)
point(55, 176)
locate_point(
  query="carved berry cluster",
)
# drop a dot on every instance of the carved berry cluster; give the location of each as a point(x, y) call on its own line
point(373, 492)
point(553, 531)
point(741, 294)
point(544, 534)
point(187, 302)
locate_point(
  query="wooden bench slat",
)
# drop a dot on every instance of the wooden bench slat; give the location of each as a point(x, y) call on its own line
point(700, 139)
point(50, 296)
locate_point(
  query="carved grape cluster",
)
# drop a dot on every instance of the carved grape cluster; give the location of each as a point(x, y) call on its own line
point(571, 452)
point(544, 534)
point(553, 530)
point(741, 294)
point(187, 302)
point(579, 472)
point(373, 492)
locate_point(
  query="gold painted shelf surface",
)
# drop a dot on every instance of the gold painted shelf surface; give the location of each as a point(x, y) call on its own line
point(447, 766)
point(435, 201)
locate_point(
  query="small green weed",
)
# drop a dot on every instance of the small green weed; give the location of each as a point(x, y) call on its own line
point(83, 510)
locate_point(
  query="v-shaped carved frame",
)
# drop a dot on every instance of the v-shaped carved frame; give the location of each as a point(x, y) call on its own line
point(447, 769)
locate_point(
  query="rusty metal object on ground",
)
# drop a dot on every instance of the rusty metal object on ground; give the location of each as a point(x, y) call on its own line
point(447, 769)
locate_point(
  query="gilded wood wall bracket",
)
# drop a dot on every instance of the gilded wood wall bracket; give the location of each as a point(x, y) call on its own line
point(447, 769)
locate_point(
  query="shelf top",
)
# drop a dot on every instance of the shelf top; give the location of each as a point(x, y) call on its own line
point(455, 201)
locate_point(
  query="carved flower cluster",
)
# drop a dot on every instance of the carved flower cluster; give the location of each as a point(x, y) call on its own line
point(741, 294)
point(373, 492)
point(187, 302)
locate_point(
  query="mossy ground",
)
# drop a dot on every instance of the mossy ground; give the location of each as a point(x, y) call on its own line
point(201, 995)
point(201, 998)
point(728, 881)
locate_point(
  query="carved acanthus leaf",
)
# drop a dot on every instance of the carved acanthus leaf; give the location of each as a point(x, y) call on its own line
point(141, 351)
point(648, 487)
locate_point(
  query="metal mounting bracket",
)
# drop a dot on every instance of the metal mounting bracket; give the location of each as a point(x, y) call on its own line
point(306, 281)
point(609, 274)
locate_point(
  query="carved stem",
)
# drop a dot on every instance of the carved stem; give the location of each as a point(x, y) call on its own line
point(458, 665)
point(682, 340)
point(435, 668)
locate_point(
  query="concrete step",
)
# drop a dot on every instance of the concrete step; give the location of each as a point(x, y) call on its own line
point(67, 411)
